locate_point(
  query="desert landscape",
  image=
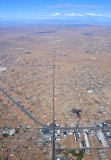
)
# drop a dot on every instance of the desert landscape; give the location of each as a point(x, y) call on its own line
point(55, 84)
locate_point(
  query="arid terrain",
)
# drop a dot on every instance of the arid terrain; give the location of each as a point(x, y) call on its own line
point(55, 70)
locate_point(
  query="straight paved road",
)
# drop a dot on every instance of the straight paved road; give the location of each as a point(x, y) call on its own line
point(22, 108)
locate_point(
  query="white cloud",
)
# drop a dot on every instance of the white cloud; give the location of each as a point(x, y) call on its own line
point(63, 6)
point(86, 15)
point(93, 15)
point(74, 15)
point(55, 14)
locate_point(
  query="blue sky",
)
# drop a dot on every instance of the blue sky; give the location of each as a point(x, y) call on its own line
point(54, 9)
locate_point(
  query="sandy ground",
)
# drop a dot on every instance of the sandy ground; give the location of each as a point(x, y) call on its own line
point(82, 62)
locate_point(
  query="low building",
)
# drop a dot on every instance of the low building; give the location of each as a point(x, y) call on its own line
point(46, 132)
point(10, 132)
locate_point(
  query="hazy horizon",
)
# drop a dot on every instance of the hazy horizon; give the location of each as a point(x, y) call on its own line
point(56, 22)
